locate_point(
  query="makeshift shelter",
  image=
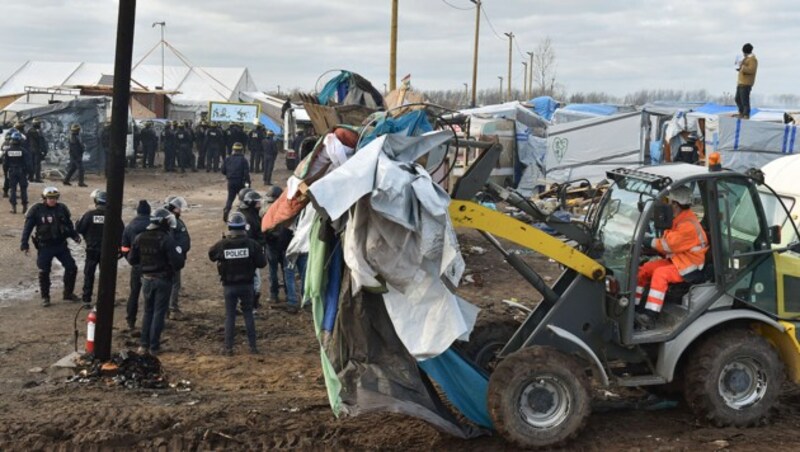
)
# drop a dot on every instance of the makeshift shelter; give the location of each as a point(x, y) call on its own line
point(577, 112)
point(745, 144)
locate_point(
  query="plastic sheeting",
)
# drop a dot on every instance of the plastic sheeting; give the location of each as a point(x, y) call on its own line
point(544, 106)
point(745, 144)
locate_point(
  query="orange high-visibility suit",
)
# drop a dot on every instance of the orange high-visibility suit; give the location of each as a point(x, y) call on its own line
point(684, 245)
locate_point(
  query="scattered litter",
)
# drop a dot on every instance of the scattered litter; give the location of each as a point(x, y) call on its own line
point(521, 252)
point(35, 370)
point(290, 410)
point(127, 368)
point(182, 386)
point(720, 444)
point(477, 250)
point(469, 279)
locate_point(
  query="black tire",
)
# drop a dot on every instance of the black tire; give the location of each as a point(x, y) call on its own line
point(733, 378)
point(539, 397)
point(486, 341)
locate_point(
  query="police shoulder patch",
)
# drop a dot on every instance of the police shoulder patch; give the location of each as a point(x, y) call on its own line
point(179, 249)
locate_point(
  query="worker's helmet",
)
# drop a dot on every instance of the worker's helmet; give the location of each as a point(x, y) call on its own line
point(251, 199)
point(162, 217)
point(175, 202)
point(75, 128)
point(36, 123)
point(237, 147)
point(50, 193)
point(237, 221)
point(273, 193)
point(15, 137)
point(681, 195)
point(99, 197)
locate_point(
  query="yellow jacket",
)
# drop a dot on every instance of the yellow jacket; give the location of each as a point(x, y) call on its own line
point(747, 73)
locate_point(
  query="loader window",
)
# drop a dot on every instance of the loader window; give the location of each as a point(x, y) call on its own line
point(616, 225)
point(748, 278)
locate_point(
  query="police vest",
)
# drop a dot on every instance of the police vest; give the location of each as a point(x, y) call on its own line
point(94, 235)
point(152, 257)
point(49, 225)
point(237, 263)
point(15, 157)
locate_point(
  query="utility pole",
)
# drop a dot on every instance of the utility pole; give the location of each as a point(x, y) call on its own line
point(525, 81)
point(475, 53)
point(163, 44)
point(501, 88)
point(510, 41)
point(393, 49)
point(530, 74)
point(115, 182)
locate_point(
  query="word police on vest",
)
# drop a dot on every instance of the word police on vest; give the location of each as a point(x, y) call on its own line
point(98, 219)
point(239, 253)
point(14, 153)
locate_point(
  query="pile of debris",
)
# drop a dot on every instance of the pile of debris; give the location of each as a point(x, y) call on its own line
point(128, 369)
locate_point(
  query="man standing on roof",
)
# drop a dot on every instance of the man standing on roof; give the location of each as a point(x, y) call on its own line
point(747, 69)
point(684, 246)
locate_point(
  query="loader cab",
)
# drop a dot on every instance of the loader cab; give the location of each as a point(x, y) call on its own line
point(740, 270)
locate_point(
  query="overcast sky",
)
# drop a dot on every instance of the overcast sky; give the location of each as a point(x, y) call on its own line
point(616, 46)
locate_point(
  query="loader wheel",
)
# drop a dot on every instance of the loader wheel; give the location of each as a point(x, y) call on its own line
point(539, 397)
point(486, 341)
point(733, 379)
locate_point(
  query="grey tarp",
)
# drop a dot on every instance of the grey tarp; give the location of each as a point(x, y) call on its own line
point(56, 120)
point(745, 144)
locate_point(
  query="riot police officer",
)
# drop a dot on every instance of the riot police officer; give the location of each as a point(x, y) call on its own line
point(90, 227)
point(200, 143)
point(270, 155)
point(183, 137)
point(17, 166)
point(149, 141)
point(160, 257)
point(137, 225)
point(170, 145)
point(215, 147)
point(38, 150)
point(53, 225)
point(237, 171)
point(237, 257)
point(176, 205)
point(255, 143)
point(76, 150)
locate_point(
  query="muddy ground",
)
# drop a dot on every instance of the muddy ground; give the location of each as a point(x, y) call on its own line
point(272, 401)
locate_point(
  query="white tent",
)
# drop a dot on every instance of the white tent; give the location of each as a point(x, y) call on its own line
point(190, 84)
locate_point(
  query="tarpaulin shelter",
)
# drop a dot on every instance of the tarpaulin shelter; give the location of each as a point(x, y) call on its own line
point(577, 112)
point(90, 113)
point(349, 88)
point(745, 144)
point(544, 106)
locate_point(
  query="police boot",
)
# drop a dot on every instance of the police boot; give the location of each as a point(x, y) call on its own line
point(44, 288)
point(13, 208)
point(5, 193)
point(69, 285)
point(225, 213)
point(24, 208)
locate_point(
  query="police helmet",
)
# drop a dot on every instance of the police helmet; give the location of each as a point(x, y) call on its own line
point(36, 123)
point(99, 197)
point(237, 221)
point(16, 137)
point(273, 193)
point(237, 147)
point(182, 123)
point(148, 123)
point(681, 195)
point(162, 217)
point(175, 202)
point(243, 192)
point(212, 124)
point(19, 125)
point(75, 128)
point(174, 123)
point(251, 199)
point(50, 193)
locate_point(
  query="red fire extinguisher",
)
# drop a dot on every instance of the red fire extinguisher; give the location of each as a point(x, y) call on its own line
point(91, 321)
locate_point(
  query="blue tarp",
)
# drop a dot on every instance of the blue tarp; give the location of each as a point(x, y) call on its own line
point(410, 124)
point(331, 301)
point(595, 109)
point(544, 106)
point(271, 125)
point(337, 86)
point(717, 109)
point(464, 385)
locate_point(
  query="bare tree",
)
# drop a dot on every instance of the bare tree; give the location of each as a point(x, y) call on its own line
point(544, 68)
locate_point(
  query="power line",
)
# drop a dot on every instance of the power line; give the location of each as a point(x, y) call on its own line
point(521, 54)
point(456, 7)
point(491, 26)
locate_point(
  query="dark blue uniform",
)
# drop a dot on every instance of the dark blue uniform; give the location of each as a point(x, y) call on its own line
point(169, 143)
point(160, 257)
point(132, 230)
point(17, 167)
point(237, 171)
point(76, 150)
point(38, 149)
point(270, 155)
point(255, 143)
point(90, 226)
point(215, 147)
point(149, 141)
point(237, 258)
point(53, 226)
point(181, 236)
point(184, 139)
